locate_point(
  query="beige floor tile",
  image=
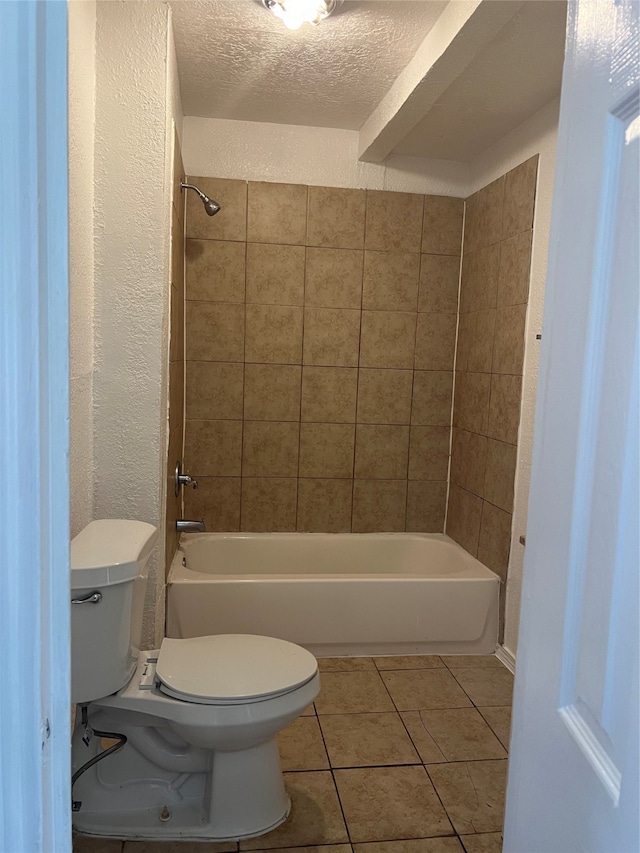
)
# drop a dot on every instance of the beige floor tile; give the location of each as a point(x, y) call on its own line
point(453, 661)
point(344, 664)
point(367, 740)
point(179, 847)
point(301, 746)
point(462, 734)
point(315, 816)
point(309, 711)
point(408, 662)
point(486, 685)
point(314, 848)
point(499, 718)
point(97, 845)
point(424, 689)
point(422, 740)
point(390, 803)
point(486, 842)
point(352, 693)
point(443, 844)
point(472, 793)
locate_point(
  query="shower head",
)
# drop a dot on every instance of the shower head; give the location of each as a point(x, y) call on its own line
point(211, 207)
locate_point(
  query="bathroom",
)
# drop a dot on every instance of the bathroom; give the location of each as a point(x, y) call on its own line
point(296, 198)
point(348, 349)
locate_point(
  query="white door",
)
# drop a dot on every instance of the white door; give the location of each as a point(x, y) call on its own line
point(573, 780)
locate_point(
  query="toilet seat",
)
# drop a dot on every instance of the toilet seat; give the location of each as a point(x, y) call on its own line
point(232, 669)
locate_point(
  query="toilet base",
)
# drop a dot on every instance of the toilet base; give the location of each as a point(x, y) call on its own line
point(130, 797)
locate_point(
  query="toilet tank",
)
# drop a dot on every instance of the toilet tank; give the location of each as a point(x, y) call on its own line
point(109, 569)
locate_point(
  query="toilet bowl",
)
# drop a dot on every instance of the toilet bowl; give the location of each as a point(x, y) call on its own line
point(201, 716)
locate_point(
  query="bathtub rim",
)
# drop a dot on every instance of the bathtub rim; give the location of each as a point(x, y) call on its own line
point(178, 573)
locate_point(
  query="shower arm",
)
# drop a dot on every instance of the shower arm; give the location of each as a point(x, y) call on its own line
point(184, 186)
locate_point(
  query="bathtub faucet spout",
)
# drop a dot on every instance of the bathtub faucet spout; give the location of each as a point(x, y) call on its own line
point(184, 525)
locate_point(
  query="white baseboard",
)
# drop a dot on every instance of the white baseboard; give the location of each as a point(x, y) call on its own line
point(507, 658)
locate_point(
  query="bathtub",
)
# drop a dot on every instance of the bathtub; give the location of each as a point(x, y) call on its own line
point(335, 594)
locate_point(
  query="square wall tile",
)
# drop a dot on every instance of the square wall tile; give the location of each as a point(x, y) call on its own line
point(500, 472)
point(176, 326)
point(268, 505)
point(215, 331)
point(429, 453)
point(275, 274)
point(335, 217)
point(276, 213)
point(471, 401)
point(333, 278)
point(384, 396)
point(274, 334)
point(213, 448)
point(270, 449)
point(435, 341)
point(432, 392)
point(490, 200)
point(331, 337)
point(386, 803)
point(177, 253)
point(426, 505)
point(177, 196)
point(468, 460)
point(463, 518)
point(478, 332)
point(230, 223)
point(471, 224)
point(215, 270)
point(504, 407)
point(439, 284)
point(326, 450)
point(379, 506)
point(176, 393)
point(508, 347)
point(495, 539)
point(519, 198)
point(514, 270)
point(329, 394)
point(390, 281)
point(479, 279)
point(442, 225)
point(324, 506)
point(217, 501)
point(381, 452)
point(394, 221)
point(272, 392)
point(214, 390)
point(388, 339)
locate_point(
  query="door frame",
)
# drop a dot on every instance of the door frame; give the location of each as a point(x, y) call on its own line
point(35, 799)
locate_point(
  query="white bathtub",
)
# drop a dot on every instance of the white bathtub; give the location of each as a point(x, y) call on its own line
point(336, 594)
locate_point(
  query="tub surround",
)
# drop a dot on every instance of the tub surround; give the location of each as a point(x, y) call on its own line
point(320, 328)
point(489, 364)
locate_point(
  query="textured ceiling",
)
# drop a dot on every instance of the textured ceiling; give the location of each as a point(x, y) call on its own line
point(517, 74)
point(237, 61)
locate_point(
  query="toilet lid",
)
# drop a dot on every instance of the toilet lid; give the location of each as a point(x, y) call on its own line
point(232, 668)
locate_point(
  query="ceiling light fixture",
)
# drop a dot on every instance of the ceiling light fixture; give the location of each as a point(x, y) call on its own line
point(295, 13)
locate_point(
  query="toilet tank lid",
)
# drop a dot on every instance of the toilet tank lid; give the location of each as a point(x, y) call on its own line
point(110, 551)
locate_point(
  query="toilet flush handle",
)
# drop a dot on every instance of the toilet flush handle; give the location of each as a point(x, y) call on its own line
point(94, 597)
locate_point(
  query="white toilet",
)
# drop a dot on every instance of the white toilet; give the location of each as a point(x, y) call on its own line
point(200, 715)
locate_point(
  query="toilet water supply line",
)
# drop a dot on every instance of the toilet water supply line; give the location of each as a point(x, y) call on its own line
point(76, 805)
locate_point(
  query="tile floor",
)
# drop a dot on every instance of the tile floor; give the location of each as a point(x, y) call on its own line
point(397, 755)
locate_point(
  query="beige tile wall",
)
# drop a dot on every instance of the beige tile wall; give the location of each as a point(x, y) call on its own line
point(490, 350)
point(321, 329)
point(176, 355)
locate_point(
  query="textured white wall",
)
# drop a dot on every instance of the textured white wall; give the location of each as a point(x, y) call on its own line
point(320, 156)
point(538, 135)
point(132, 215)
point(81, 75)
